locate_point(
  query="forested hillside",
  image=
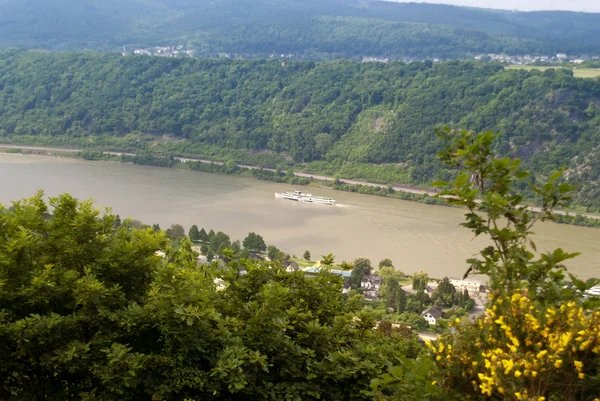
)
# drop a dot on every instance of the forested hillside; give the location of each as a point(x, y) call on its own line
point(325, 29)
point(369, 121)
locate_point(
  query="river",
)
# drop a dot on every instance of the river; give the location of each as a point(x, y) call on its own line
point(415, 236)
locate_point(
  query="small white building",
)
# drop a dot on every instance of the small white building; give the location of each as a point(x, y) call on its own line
point(370, 285)
point(468, 284)
point(432, 315)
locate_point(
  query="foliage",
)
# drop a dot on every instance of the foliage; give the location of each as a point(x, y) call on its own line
point(446, 295)
point(274, 253)
point(67, 274)
point(194, 234)
point(488, 184)
point(203, 236)
point(419, 281)
point(91, 312)
point(391, 290)
point(254, 243)
point(306, 255)
point(378, 118)
point(327, 260)
point(526, 350)
point(362, 267)
point(218, 242)
point(324, 29)
point(175, 232)
point(385, 263)
point(539, 339)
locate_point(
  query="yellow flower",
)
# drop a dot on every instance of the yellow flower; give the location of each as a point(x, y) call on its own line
point(581, 376)
point(541, 398)
point(457, 320)
point(433, 383)
point(517, 373)
point(558, 363)
point(518, 396)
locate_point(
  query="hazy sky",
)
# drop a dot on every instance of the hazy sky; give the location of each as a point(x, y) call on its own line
point(524, 5)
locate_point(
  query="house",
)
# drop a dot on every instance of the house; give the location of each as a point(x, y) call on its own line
point(291, 267)
point(432, 315)
point(370, 285)
point(469, 284)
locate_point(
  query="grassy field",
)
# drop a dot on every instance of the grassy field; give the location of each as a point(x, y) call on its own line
point(577, 72)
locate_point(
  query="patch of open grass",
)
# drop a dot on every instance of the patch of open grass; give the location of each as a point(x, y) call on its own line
point(577, 72)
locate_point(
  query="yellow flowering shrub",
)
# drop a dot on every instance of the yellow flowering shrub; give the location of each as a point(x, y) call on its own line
point(521, 350)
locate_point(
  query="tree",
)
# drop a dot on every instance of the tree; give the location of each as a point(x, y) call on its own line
point(156, 227)
point(362, 267)
point(218, 242)
point(194, 234)
point(204, 249)
point(211, 234)
point(327, 260)
point(274, 253)
point(419, 281)
point(67, 273)
point(445, 294)
point(236, 247)
point(391, 291)
point(175, 232)
point(203, 236)
point(254, 243)
point(306, 255)
point(385, 263)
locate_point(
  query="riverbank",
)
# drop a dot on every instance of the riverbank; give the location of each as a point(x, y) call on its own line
point(402, 192)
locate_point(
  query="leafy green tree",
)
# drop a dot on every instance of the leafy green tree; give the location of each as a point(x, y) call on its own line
point(362, 267)
point(175, 232)
point(156, 227)
point(327, 260)
point(211, 234)
point(445, 294)
point(306, 255)
point(254, 243)
point(419, 281)
point(67, 275)
point(385, 263)
point(236, 247)
point(391, 291)
point(218, 242)
point(203, 236)
point(274, 253)
point(204, 249)
point(230, 166)
point(346, 266)
point(194, 234)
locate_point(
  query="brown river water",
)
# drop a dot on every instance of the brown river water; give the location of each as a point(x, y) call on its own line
point(415, 236)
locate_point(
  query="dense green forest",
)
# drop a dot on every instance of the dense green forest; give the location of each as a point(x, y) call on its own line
point(324, 29)
point(367, 121)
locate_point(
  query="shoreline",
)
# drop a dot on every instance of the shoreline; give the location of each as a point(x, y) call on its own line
point(71, 153)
